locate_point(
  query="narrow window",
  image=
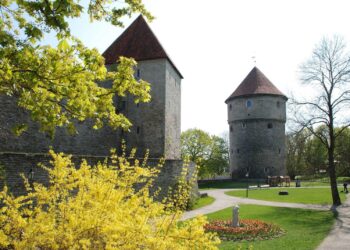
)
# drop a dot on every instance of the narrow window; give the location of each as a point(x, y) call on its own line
point(137, 104)
point(231, 128)
point(237, 150)
point(269, 125)
point(244, 125)
point(138, 73)
point(278, 104)
point(230, 106)
point(122, 105)
point(249, 103)
point(279, 151)
point(138, 130)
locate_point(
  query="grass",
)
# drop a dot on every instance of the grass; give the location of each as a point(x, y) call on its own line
point(201, 202)
point(315, 183)
point(305, 229)
point(296, 195)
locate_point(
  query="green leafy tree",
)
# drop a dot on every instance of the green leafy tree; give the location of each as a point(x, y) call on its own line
point(217, 162)
point(195, 147)
point(342, 152)
point(315, 154)
point(210, 153)
point(295, 145)
point(58, 85)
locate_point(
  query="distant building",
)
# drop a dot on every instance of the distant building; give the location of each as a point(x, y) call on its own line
point(256, 117)
point(156, 125)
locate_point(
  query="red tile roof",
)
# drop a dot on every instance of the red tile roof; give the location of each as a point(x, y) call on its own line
point(137, 41)
point(255, 83)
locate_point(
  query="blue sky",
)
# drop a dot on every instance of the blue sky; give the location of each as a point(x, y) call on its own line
point(212, 44)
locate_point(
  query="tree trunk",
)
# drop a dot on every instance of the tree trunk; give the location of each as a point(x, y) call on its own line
point(331, 169)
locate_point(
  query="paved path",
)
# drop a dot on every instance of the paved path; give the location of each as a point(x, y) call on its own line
point(339, 237)
point(223, 201)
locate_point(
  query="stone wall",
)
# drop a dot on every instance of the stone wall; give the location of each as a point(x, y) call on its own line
point(87, 142)
point(148, 131)
point(172, 113)
point(15, 164)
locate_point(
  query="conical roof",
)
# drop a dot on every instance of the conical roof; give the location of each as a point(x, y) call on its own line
point(139, 42)
point(255, 83)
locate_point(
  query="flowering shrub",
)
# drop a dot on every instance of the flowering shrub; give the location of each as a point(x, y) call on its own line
point(248, 229)
point(96, 207)
point(184, 195)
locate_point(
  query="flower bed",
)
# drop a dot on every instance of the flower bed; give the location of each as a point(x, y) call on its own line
point(248, 230)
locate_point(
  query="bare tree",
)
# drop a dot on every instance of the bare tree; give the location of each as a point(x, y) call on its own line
point(328, 73)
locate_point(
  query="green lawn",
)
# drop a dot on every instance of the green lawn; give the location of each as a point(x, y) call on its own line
point(296, 195)
point(305, 229)
point(201, 202)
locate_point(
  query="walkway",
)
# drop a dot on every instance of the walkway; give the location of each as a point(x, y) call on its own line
point(339, 237)
point(223, 201)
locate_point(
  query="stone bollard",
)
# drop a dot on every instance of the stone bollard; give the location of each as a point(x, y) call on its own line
point(235, 213)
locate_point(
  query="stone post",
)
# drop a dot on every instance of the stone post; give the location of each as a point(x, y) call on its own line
point(235, 213)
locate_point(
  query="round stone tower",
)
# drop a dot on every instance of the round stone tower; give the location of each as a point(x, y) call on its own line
point(257, 116)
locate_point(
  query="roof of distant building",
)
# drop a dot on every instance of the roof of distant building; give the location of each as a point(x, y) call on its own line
point(139, 42)
point(255, 83)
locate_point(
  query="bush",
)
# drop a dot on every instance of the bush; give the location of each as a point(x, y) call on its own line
point(96, 207)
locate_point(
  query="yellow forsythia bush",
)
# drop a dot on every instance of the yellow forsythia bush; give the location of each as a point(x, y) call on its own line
point(96, 207)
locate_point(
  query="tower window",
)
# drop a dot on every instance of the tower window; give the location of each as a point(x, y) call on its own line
point(231, 128)
point(122, 105)
point(230, 106)
point(138, 130)
point(279, 151)
point(244, 125)
point(278, 104)
point(237, 150)
point(249, 103)
point(137, 104)
point(138, 73)
point(269, 125)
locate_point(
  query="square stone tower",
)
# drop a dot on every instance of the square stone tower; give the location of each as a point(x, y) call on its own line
point(156, 125)
point(256, 116)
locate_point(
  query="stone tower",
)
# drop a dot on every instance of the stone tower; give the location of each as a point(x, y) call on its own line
point(156, 125)
point(256, 117)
